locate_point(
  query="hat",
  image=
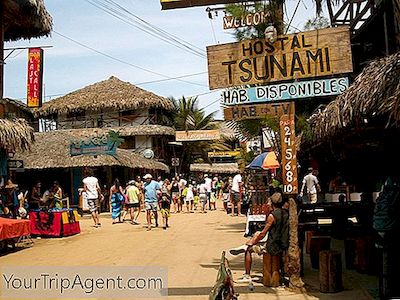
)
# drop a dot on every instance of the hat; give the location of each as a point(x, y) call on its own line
point(310, 169)
point(132, 182)
point(147, 176)
point(205, 175)
point(10, 185)
point(276, 198)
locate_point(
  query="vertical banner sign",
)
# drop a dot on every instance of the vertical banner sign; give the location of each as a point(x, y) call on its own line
point(289, 157)
point(35, 77)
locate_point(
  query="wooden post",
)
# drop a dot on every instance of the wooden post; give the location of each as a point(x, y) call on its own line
point(1, 49)
point(330, 271)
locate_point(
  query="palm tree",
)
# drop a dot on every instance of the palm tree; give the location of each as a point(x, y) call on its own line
point(188, 116)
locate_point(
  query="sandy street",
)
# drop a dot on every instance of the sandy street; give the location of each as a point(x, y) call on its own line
point(190, 249)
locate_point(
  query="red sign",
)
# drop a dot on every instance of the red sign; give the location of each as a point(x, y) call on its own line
point(35, 77)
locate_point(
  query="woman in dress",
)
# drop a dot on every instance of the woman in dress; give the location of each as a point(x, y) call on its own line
point(175, 194)
point(116, 199)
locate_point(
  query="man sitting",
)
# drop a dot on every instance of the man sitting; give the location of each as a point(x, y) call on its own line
point(277, 228)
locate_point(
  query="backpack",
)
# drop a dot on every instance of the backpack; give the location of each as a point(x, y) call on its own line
point(387, 207)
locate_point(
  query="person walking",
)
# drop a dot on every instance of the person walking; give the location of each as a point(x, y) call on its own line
point(165, 204)
point(92, 190)
point(175, 194)
point(134, 197)
point(203, 196)
point(151, 188)
point(311, 182)
point(116, 199)
point(208, 183)
point(237, 194)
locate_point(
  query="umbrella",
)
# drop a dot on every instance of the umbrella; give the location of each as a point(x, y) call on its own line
point(265, 161)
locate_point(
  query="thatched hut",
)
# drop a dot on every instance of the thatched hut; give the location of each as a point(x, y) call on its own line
point(22, 19)
point(215, 168)
point(373, 97)
point(15, 135)
point(25, 19)
point(357, 134)
point(50, 157)
point(140, 117)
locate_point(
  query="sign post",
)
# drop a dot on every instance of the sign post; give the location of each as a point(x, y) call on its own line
point(288, 152)
point(16, 165)
point(310, 54)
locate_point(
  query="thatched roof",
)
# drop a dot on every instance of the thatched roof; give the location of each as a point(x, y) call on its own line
point(375, 93)
point(15, 135)
point(25, 19)
point(52, 150)
point(218, 168)
point(110, 94)
point(144, 130)
point(18, 104)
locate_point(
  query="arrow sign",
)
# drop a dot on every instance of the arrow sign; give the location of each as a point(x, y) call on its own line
point(16, 164)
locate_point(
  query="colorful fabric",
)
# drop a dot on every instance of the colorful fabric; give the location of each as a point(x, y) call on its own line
point(11, 228)
point(165, 212)
point(116, 204)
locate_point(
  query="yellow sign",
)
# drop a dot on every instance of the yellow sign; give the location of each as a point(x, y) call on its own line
point(197, 135)
point(307, 54)
point(223, 154)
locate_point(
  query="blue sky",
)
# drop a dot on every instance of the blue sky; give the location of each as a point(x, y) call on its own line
point(69, 66)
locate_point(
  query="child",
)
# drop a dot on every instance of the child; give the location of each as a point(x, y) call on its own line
point(196, 200)
point(165, 205)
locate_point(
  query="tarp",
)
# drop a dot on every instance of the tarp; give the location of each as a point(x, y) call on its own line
point(11, 228)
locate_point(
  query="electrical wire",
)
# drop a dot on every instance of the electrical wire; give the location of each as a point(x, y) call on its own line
point(294, 13)
point(127, 63)
point(119, 12)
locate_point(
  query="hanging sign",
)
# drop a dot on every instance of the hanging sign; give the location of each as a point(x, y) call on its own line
point(221, 154)
point(286, 91)
point(289, 156)
point(197, 135)
point(307, 54)
point(172, 4)
point(256, 111)
point(35, 77)
point(105, 144)
point(249, 19)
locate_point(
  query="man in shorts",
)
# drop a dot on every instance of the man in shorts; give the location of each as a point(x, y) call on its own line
point(237, 189)
point(134, 197)
point(274, 244)
point(151, 187)
point(93, 193)
point(203, 196)
point(311, 182)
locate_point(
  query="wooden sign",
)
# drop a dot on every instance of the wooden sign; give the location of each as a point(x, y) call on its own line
point(307, 54)
point(256, 111)
point(250, 19)
point(286, 91)
point(105, 144)
point(35, 77)
point(172, 4)
point(197, 135)
point(289, 156)
point(222, 154)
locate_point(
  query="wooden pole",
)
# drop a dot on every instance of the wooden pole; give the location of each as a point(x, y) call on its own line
point(1, 50)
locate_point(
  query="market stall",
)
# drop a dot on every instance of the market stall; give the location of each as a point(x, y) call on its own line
point(257, 177)
point(54, 222)
point(11, 230)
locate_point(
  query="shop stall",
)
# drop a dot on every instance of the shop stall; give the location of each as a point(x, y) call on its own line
point(12, 230)
point(54, 222)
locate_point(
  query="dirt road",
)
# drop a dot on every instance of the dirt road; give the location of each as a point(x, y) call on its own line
point(190, 249)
